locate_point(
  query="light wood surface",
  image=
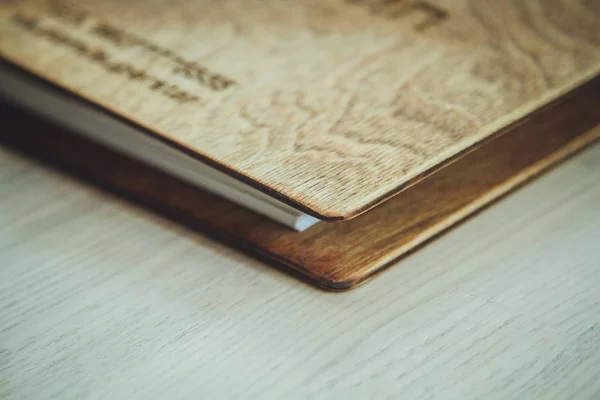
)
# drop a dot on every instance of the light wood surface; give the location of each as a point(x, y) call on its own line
point(99, 299)
point(331, 105)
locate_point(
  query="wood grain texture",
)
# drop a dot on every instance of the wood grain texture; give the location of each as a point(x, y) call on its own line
point(332, 105)
point(101, 300)
point(343, 255)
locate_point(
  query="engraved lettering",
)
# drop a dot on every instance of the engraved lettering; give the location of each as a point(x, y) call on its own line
point(58, 36)
point(25, 21)
point(80, 47)
point(101, 58)
point(135, 74)
point(109, 33)
point(219, 83)
point(64, 12)
point(116, 36)
point(184, 68)
point(157, 85)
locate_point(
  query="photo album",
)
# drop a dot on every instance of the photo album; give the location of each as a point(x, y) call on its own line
point(329, 138)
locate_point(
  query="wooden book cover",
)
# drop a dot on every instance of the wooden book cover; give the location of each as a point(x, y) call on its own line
point(331, 106)
point(422, 112)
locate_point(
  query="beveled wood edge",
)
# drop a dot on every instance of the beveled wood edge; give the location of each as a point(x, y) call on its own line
point(471, 210)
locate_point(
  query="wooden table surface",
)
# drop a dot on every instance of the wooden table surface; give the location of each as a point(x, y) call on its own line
point(100, 299)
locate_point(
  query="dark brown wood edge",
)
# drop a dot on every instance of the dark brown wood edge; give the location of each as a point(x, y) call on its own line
point(348, 285)
point(577, 112)
point(21, 69)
